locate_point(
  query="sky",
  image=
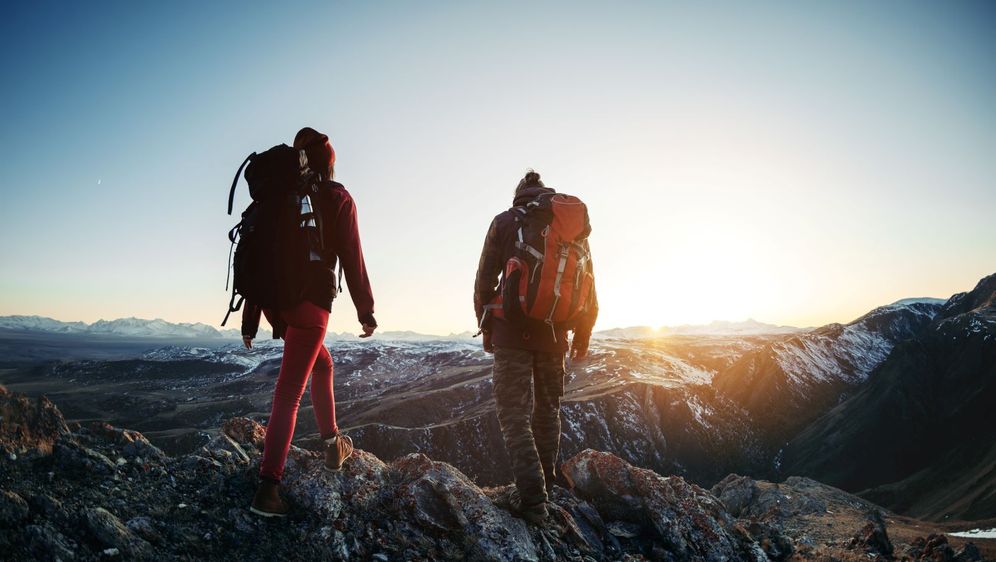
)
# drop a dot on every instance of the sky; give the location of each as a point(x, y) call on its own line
point(793, 162)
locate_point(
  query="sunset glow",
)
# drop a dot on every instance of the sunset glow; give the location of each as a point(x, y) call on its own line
point(796, 167)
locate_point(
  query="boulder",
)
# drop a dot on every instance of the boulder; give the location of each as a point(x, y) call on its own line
point(112, 533)
point(873, 538)
point(690, 523)
point(131, 443)
point(46, 543)
point(443, 502)
point(28, 425)
point(357, 486)
point(245, 432)
point(736, 492)
point(72, 456)
point(13, 508)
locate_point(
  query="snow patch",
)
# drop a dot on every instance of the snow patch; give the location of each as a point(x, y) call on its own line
point(976, 534)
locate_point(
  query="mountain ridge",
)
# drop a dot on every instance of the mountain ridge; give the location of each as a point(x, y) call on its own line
point(95, 491)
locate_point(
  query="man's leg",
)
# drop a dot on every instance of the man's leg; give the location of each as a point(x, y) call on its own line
point(513, 377)
point(548, 372)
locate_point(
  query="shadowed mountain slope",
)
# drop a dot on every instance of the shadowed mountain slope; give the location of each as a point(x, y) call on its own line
point(920, 436)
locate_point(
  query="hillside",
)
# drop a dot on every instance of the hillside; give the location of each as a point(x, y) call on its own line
point(98, 492)
point(919, 435)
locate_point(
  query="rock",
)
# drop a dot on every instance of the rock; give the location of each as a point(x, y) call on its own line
point(968, 553)
point(806, 496)
point(46, 506)
point(690, 522)
point(144, 528)
point(226, 450)
point(73, 457)
point(132, 443)
point(200, 464)
point(873, 538)
point(736, 492)
point(934, 548)
point(245, 432)
point(443, 502)
point(13, 508)
point(28, 425)
point(623, 530)
point(48, 544)
point(110, 532)
point(775, 545)
point(314, 487)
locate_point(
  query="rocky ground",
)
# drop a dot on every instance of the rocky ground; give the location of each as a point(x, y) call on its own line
point(93, 491)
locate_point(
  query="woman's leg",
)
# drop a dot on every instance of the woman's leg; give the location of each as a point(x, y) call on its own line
point(303, 341)
point(322, 395)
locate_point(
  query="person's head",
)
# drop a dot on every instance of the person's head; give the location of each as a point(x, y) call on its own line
point(531, 179)
point(321, 157)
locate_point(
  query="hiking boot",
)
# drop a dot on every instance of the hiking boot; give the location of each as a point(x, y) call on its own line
point(267, 501)
point(535, 514)
point(338, 448)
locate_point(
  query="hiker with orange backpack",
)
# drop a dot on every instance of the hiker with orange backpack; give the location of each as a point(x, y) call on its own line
point(534, 284)
point(290, 239)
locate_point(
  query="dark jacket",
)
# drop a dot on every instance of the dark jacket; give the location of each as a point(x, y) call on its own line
point(499, 246)
point(341, 235)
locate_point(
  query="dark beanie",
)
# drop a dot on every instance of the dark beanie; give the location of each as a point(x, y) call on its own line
point(318, 149)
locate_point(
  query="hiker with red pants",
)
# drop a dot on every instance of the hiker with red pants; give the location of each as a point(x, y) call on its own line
point(534, 284)
point(302, 322)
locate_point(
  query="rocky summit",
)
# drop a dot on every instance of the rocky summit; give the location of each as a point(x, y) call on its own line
point(92, 491)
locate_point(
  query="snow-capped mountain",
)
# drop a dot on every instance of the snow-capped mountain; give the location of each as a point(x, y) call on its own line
point(787, 383)
point(723, 328)
point(40, 324)
point(123, 327)
point(920, 435)
point(699, 405)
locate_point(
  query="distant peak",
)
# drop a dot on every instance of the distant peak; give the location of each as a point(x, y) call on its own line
point(919, 300)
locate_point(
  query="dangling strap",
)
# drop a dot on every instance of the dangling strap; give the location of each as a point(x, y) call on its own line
point(231, 192)
point(339, 288)
point(556, 288)
point(232, 307)
point(484, 317)
point(232, 234)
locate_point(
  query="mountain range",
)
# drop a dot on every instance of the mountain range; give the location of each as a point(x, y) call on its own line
point(890, 406)
point(159, 328)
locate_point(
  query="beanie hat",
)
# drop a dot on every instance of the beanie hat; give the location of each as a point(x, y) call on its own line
point(317, 147)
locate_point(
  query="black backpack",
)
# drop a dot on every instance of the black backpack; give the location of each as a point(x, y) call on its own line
point(279, 239)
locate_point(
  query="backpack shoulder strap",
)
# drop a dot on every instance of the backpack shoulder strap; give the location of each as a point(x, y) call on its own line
point(231, 192)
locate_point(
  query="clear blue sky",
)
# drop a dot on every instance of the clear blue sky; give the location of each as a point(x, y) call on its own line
point(797, 162)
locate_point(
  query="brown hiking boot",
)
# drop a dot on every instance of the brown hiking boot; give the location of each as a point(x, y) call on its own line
point(535, 514)
point(338, 448)
point(267, 501)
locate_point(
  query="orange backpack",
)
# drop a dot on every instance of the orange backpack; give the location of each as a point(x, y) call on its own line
point(549, 276)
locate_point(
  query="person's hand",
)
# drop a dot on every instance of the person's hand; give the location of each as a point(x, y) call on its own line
point(489, 346)
point(579, 348)
point(247, 341)
point(368, 330)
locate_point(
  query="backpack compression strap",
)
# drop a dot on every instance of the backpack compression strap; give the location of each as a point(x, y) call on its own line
point(231, 192)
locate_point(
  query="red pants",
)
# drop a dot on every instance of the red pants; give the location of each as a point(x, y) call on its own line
point(304, 354)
